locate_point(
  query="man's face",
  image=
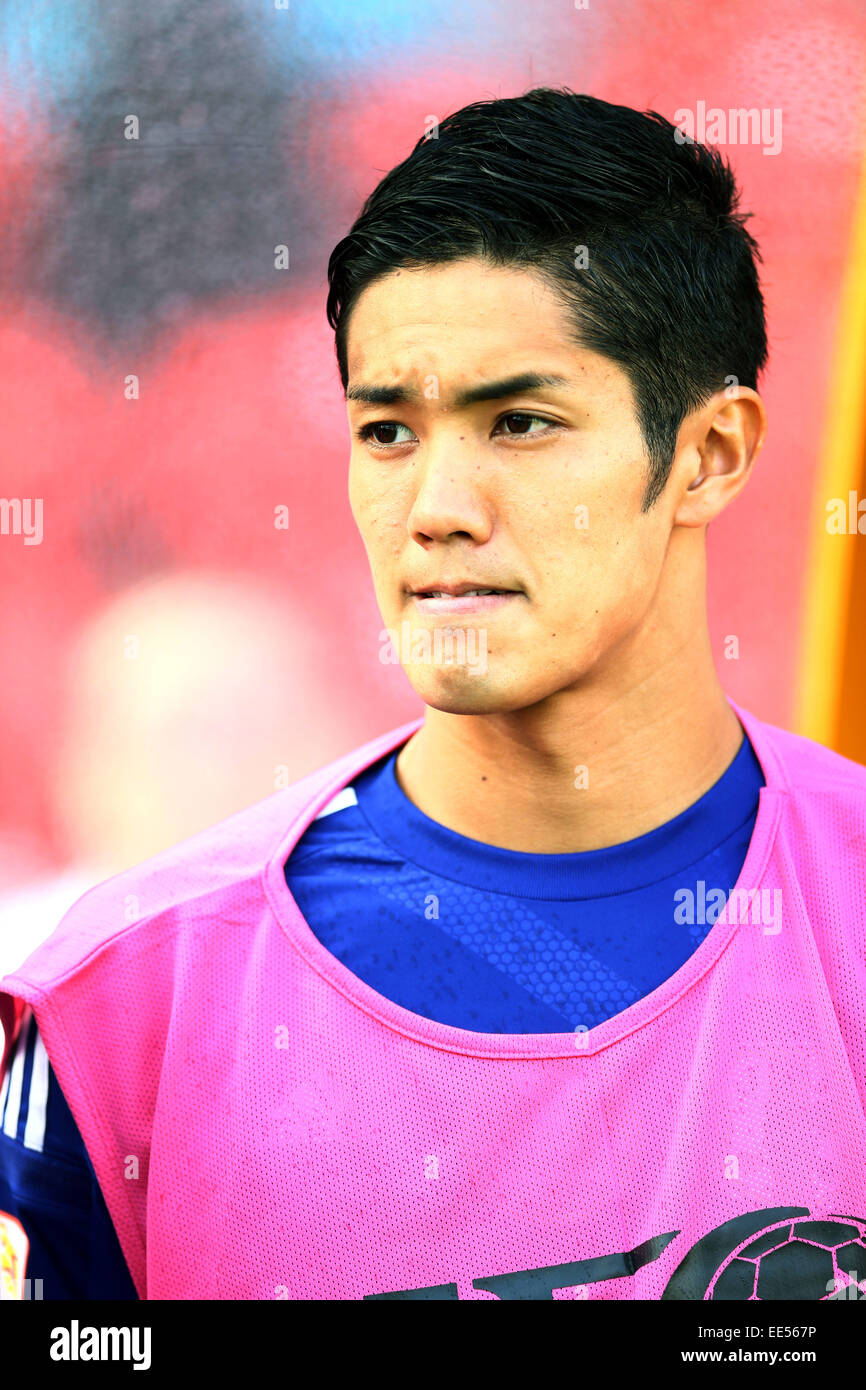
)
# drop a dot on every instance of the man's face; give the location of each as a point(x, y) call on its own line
point(537, 492)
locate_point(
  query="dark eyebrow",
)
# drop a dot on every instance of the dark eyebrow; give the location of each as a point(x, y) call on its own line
point(486, 391)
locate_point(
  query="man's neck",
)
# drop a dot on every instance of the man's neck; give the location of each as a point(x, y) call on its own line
point(587, 769)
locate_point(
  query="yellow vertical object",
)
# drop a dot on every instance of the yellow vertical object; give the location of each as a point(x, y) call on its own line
point(831, 560)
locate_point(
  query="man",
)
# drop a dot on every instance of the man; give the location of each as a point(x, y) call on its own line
point(558, 988)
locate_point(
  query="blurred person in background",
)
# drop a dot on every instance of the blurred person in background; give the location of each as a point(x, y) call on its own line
point(190, 696)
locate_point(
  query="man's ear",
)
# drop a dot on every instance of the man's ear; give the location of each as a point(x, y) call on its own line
point(716, 448)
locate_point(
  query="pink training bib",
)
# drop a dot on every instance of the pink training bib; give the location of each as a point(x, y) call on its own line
point(265, 1125)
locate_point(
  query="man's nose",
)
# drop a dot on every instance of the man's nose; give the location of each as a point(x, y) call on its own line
point(452, 496)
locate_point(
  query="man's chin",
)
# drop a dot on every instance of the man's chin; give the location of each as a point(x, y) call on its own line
point(459, 690)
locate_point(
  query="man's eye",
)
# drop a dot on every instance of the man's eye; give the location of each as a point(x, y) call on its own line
point(382, 434)
point(522, 419)
point(387, 427)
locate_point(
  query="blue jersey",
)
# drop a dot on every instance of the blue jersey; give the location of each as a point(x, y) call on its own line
point(48, 1184)
point(453, 929)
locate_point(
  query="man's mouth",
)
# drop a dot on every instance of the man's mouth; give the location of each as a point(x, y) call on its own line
point(461, 598)
point(464, 593)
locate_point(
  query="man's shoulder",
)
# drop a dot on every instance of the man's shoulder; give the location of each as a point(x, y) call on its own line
point(809, 766)
point(197, 880)
point(179, 880)
point(801, 764)
point(823, 799)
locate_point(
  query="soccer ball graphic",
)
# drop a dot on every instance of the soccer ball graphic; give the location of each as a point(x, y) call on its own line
point(804, 1258)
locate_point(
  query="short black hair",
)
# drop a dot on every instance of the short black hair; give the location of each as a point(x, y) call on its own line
point(671, 290)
